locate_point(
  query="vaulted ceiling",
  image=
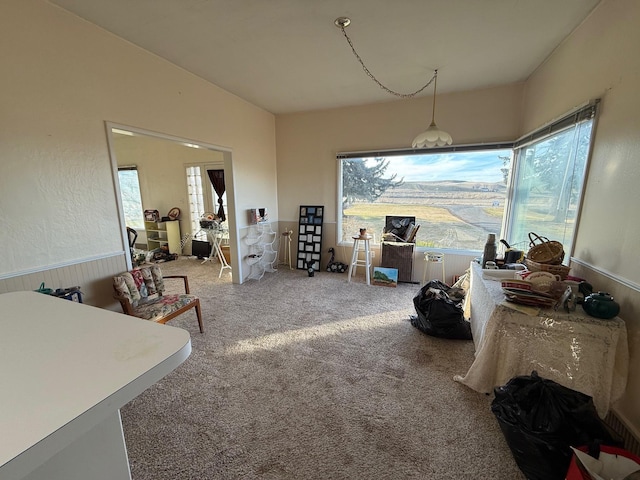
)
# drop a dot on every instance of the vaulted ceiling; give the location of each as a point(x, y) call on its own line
point(287, 55)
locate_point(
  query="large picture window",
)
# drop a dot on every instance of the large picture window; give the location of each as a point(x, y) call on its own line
point(548, 180)
point(460, 194)
point(457, 197)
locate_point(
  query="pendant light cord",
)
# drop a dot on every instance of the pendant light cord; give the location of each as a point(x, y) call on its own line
point(341, 24)
point(435, 85)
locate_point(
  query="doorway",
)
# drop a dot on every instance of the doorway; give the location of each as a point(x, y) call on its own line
point(161, 165)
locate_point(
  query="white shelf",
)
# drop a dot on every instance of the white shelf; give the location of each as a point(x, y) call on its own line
point(262, 256)
point(163, 233)
point(252, 260)
point(252, 240)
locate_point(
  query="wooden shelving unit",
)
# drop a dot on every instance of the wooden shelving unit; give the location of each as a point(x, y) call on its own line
point(164, 233)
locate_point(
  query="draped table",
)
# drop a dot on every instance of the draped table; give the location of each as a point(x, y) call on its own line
point(583, 353)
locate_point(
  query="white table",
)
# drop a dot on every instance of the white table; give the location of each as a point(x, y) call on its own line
point(573, 349)
point(65, 370)
point(215, 237)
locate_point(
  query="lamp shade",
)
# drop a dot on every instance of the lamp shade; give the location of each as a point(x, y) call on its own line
point(432, 137)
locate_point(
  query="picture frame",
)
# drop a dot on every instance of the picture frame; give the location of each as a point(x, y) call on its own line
point(385, 277)
point(151, 215)
point(310, 220)
point(258, 215)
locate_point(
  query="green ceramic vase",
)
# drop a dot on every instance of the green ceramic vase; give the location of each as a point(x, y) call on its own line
point(601, 305)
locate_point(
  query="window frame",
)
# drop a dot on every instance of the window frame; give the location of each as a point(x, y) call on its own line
point(587, 111)
point(402, 152)
point(131, 168)
point(208, 195)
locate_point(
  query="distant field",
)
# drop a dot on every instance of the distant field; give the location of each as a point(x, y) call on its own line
point(450, 214)
point(366, 212)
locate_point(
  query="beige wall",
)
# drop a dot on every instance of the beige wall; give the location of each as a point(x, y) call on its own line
point(308, 142)
point(62, 78)
point(601, 60)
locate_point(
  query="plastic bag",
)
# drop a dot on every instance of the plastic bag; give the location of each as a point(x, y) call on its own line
point(542, 419)
point(439, 315)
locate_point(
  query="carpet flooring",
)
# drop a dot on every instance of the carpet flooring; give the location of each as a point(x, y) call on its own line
point(301, 377)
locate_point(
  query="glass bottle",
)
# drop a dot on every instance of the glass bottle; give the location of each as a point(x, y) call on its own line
point(490, 250)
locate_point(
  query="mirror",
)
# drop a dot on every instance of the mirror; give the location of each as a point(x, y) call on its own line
point(165, 188)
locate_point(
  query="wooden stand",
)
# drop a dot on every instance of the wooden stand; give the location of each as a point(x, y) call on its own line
point(355, 258)
point(399, 255)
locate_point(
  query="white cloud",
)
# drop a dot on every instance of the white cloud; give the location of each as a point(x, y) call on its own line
point(466, 166)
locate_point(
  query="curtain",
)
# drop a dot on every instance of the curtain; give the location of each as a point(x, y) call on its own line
point(217, 180)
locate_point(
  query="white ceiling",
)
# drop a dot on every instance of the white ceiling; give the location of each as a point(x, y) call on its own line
point(288, 56)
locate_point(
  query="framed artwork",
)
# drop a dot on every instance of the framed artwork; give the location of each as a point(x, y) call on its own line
point(258, 215)
point(386, 277)
point(310, 222)
point(174, 213)
point(151, 216)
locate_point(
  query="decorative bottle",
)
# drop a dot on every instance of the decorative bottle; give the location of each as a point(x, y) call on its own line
point(601, 305)
point(490, 250)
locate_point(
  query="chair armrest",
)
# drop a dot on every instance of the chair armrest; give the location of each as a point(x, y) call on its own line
point(184, 278)
point(127, 308)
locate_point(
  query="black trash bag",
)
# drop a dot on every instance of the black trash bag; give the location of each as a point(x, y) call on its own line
point(439, 315)
point(541, 419)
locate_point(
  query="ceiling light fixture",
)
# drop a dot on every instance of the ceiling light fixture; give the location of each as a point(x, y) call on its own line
point(432, 136)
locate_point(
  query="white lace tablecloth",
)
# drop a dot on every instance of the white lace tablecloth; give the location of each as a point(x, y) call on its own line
point(573, 349)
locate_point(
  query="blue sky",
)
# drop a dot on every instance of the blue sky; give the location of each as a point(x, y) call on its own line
point(483, 166)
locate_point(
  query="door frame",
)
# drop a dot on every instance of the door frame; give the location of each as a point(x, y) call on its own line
point(188, 143)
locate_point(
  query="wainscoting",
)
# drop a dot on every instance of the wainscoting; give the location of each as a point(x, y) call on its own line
point(92, 275)
point(631, 442)
point(625, 415)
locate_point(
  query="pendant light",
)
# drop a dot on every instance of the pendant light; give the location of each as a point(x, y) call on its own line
point(432, 136)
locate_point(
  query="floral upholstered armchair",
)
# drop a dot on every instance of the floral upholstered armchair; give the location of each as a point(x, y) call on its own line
point(141, 293)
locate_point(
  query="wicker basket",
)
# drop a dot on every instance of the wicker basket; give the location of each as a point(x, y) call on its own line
point(560, 270)
point(544, 250)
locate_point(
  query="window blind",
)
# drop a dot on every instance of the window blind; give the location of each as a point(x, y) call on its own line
point(581, 114)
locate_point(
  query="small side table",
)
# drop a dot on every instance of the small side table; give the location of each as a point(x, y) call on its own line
point(398, 255)
point(433, 260)
point(355, 259)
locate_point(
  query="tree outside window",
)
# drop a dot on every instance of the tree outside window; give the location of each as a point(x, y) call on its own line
point(548, 185)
